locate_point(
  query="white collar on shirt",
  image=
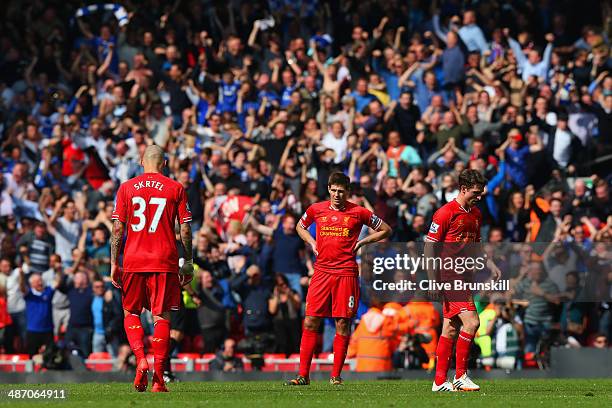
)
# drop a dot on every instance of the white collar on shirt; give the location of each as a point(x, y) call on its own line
point(460, 206)
point(331, 207)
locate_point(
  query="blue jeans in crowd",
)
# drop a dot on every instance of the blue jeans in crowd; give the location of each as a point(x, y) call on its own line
point(329, 333)
point(16, 329)
point(533, 335)
point(98, 343)
point(605, 323)
point(80, 338)
point(294, 283)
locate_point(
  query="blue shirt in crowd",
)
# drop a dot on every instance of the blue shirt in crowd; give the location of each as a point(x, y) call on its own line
point(391, 80)
point(39, 310)
point(286, 257)
point(80, 305)
point(361, 101)
point(228, 96)
point(453, 62)
point(473, 38)
point(516, 161)
point(97, 306)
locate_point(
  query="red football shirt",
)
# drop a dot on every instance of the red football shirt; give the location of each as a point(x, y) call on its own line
point(337, 234)
point(72, 153)
point(150, 204)
point(454, 224)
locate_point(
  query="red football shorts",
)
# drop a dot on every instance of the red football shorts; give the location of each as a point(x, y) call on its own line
point(332, 295)
point(156, 291)
point(457, 302)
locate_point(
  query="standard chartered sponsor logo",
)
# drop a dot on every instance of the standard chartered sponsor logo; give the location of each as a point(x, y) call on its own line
point(332, 231)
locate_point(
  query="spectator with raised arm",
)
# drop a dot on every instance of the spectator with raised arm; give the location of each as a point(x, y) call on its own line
point(532, 64)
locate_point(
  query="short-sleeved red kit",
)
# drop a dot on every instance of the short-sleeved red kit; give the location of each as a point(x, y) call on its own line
point(149, 205)
point(334, 289)
point(454, 224)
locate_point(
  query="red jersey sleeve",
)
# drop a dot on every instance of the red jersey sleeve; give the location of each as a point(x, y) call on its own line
point(370, 219)
point(439, 226)
point(184, 212)
point(308, 218)
point(121, 206)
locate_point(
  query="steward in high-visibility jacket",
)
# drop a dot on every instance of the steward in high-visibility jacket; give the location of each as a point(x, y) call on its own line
point(425, 319)
point(377, 337)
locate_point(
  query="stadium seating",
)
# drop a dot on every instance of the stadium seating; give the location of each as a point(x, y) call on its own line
point(100, 361)
point(530, 360)
point(281, 364)
point(185, 362)
point(202, 364)
point(270, 356)
point(16, 363)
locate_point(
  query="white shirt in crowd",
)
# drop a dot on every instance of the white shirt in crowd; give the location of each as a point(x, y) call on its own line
point(338, 145)
point(562, 149)
point(14, 297)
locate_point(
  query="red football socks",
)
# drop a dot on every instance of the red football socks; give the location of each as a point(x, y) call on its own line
point(463, 352)
point(159, 344)
point(307, 347)
point(135, 335)
point(443, 354)
point(341, 344)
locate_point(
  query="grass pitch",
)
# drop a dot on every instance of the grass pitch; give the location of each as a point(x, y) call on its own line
point(400, 393)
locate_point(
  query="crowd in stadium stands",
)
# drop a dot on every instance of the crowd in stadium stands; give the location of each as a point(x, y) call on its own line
point(256, 103)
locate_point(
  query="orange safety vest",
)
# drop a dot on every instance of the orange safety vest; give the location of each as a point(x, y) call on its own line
point(377, 337)
point(397, 320)
point(425, 320)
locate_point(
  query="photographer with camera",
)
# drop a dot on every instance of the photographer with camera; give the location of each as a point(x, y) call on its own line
point(226, 359)
point(254, 293)
point(410, 353)
point(506, 331)
point(212, 313)
point(284, 306)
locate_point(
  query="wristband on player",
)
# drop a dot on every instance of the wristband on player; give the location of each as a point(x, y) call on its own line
point(183, 261)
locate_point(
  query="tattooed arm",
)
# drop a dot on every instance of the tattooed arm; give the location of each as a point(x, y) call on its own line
point(186, 272)
point(116, 237)
point(186, 237)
